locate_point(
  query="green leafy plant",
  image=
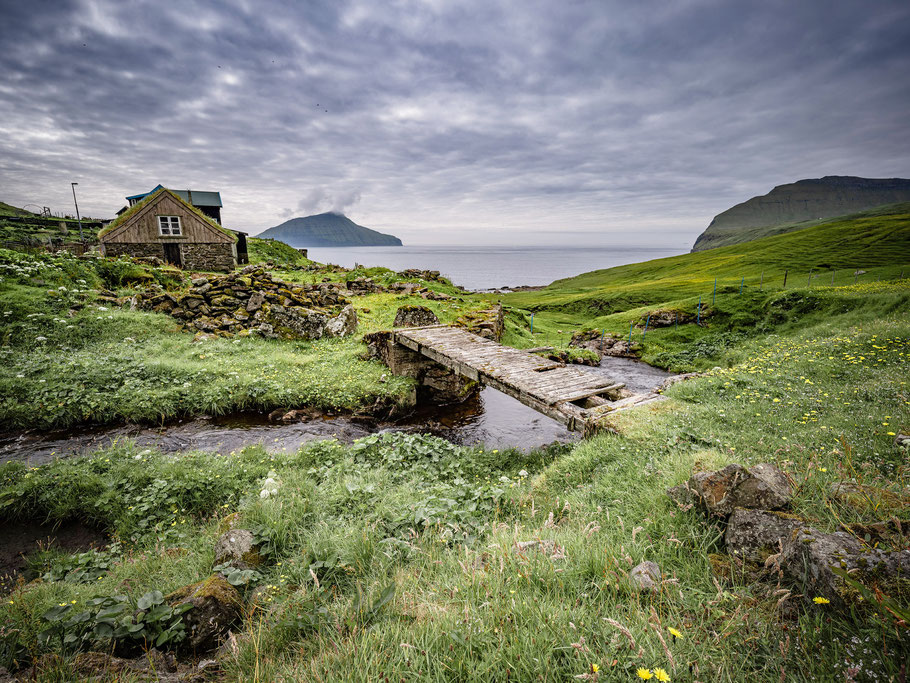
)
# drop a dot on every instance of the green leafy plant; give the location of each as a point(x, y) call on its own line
point(115, 621)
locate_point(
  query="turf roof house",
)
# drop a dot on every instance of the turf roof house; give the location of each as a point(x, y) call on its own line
point(163, 224)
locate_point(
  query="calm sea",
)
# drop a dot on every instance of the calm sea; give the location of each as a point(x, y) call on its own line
point(494, 267)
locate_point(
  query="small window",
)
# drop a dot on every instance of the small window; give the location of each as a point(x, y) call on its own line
point(169, 225)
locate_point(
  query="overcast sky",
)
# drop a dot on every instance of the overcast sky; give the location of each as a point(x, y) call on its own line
point(452, 122)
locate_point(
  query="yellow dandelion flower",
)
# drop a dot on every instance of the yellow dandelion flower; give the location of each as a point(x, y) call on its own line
point(594, 668)
point(644, 674)
point(675, 633)
point(661, 675)
point(820, 601)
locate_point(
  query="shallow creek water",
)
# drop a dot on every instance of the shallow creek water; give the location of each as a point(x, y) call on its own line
point(492, 418)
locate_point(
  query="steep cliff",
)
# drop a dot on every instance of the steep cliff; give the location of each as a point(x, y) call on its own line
point(800, 205)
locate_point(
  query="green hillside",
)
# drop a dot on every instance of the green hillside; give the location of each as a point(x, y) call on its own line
point(877, 242)
point(799, 205)
point(328, 230)
point(10, 210)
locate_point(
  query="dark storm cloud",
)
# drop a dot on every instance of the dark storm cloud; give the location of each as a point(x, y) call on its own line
point(452, 122)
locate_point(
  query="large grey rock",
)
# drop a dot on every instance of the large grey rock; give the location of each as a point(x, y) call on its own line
point(296, 322)
point(415, 316)
point(344, 324)
point(809, 556)
point(646, 576)
point(237, 548)
point(753, 535)
point(216, 607)
point(761, 487)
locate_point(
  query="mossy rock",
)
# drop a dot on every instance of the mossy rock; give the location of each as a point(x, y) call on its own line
point(216, 606)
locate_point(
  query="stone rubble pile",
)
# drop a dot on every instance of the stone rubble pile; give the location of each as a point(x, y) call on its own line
point(251, 302)
point(608, 345)
point(753, 502)
point(366, 285)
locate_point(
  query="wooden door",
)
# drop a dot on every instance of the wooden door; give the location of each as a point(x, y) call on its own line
point(172, 254)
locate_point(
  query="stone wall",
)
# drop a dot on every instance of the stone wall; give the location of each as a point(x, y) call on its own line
point(203, 256)
point(143, 250)
point(438, 384)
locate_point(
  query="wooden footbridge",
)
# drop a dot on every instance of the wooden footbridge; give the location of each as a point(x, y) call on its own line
point(567, 394)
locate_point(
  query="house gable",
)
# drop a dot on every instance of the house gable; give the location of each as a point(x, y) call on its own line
point(141, 225)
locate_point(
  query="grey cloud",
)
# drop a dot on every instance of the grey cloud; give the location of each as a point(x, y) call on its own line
point(451, 121)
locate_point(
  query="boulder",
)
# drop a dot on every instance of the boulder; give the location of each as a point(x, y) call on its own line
point(415, 316)
point(238, 548)
point(902, 440)
point(216, 607)
point(809, 557)
point(296, 322)
point(646, 576)
point(753, 535)
point(344, 324)
point(761, 487)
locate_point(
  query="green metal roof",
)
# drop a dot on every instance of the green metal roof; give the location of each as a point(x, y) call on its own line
point(194, 197)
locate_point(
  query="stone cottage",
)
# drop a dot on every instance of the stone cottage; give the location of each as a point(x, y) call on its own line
point(165, 226)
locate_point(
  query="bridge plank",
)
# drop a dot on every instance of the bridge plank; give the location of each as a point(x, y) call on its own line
point(540, 383)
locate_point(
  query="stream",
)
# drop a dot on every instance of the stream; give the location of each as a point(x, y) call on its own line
point(491, 418)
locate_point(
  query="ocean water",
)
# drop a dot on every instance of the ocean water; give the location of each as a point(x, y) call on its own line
point(494, 267)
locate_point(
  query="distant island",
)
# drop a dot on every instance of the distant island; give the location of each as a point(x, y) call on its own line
point(328, 230)
point(799, 205)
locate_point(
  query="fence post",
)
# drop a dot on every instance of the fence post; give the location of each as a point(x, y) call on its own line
point(631, 325)
point(809, 283)
point(832, 277)
point(786, 272)
point(677, 320)
point(647, 322)
point(761, 283)
point(698, 319)
point(741, 283)
point(714, 293)
point(532, 323)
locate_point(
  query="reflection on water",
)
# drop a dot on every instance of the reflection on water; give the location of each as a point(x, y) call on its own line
point(492, 418)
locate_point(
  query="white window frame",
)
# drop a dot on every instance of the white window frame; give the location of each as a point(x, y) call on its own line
point(170, 226)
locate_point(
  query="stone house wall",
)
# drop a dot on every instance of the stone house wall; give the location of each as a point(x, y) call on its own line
point(144, 250)
point(195, 256)
point(201, 256)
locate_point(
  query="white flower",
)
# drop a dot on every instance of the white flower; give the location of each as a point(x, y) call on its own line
point(264, 493)
point(102, 308)
point(270, 482)
point(137, 457)
point(274, 492)
point(505, 480)
point(20, 375)
point(39, 338)
point(523, 473)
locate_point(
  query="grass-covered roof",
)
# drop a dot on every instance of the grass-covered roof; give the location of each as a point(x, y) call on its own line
point(135, 208)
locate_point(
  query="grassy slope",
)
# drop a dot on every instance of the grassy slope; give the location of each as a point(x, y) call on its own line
point(102, 364)
point(10, 210)
point(819, 387)
point(876, 242)
point(728, 236)
point(440, 522)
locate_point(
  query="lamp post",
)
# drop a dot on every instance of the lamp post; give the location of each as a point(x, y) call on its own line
point(78, 218)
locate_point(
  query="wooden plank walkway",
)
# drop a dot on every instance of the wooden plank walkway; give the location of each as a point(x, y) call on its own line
point(562, 392)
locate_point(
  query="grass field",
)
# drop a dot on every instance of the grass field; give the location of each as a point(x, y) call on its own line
point(877, 242)
point(100, 364)
point(395, 558)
